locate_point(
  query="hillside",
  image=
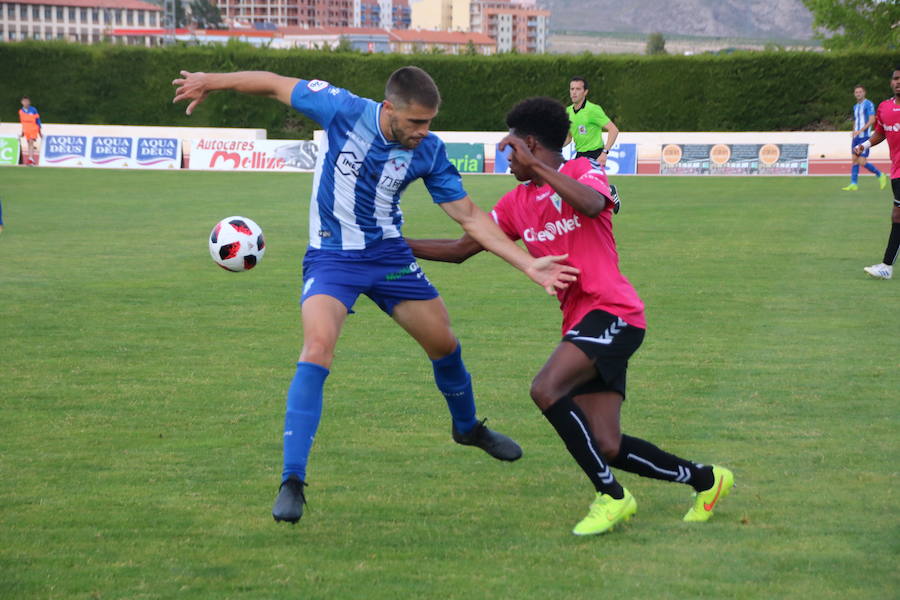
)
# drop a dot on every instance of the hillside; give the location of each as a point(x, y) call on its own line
point(761, 19)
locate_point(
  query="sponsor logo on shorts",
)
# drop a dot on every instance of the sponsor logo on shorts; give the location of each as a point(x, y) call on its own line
point(412, 268)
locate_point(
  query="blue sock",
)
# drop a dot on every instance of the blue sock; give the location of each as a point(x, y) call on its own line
point(873, 169)
point(456, 384)
point(854, 174)
point(301, 419)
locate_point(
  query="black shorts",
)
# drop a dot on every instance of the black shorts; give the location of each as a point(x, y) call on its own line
point(609, 342)
point(895, 185)
point(595, 154)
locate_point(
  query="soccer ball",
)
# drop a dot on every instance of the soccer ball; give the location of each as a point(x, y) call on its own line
point(237, 244)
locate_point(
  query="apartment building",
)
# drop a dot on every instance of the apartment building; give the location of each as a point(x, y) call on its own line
point(85, 21)
point(515, 24)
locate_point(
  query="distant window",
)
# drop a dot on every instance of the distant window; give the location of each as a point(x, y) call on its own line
point(130, 17)
point(140, 17)
point(118, 16)
point(12, 35)
point(95, 15)
point(60, 13)
point(11, 11)
point(72, 14)
point(48, 12)
point(83, 16)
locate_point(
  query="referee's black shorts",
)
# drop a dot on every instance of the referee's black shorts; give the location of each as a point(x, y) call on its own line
point(609, 342)
point(595, 154)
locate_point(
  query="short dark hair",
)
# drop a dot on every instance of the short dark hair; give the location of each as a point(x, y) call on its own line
point(409, 85)
point(582, 80)
point(25, 98)
point(859, 86)
point(544, 118)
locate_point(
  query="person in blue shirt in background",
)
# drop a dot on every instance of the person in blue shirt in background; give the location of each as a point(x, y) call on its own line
point(863, 119)
point(370, 153)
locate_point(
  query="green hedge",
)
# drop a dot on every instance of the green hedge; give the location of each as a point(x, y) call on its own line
point(72, 83)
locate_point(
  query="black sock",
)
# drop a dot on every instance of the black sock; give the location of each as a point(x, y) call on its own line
point(643, 458)
point(572, 426)
point(890, 254)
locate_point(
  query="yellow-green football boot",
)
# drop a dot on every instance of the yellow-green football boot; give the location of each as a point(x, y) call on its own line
point(850, 188)
point(605, 513)
point(723, 481)
point(882, 181)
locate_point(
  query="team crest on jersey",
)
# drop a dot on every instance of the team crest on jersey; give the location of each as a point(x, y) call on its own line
point(557, 202)
point(316, 85)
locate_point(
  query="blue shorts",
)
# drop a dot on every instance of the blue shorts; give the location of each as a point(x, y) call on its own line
point(387, 273)
point(857, 141)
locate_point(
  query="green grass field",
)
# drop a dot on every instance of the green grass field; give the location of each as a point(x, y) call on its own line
point(142, 392)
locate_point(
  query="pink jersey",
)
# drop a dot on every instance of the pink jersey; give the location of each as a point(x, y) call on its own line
point(548, 225)
point(887, 121)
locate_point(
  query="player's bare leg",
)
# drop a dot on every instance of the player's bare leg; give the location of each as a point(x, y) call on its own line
point(428, 322)
point(603, 410)
point(323, 317)
point(885, 269)
point(566, 369)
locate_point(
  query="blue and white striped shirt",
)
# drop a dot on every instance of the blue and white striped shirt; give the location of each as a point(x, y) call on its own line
point(360, 175)
point(862, 111)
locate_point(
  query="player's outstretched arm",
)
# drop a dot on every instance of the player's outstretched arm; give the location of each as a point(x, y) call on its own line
point(546, 271)
point(197, 86)
point(455, 251)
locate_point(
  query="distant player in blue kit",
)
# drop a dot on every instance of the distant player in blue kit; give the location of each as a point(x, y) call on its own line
point(370, 153)
point(863, 120)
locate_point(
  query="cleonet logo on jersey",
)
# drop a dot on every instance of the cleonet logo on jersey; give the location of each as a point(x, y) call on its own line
point(894, 127)
point(552, 230)
point(317, 85)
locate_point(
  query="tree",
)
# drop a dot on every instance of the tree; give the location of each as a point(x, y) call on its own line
point(856, 24)
point(656, 44)
point(206, 15)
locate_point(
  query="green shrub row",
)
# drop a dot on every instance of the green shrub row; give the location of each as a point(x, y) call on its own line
point(72, 83)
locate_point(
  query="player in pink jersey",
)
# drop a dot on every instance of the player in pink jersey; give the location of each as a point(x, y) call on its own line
point(887, 126)
point(566, 208)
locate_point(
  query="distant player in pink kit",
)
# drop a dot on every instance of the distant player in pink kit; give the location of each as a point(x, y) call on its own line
point(887, 126)
point(566, 208)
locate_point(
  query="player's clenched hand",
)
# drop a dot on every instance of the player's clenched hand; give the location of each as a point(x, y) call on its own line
point(523, 155)
point(858, 149)
point(190, 86)
point(550, 274)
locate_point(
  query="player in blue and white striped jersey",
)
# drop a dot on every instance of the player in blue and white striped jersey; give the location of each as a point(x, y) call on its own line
point(863, 120)
point(370, 153)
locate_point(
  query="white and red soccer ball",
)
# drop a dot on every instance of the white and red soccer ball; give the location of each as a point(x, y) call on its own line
point(237, 244)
